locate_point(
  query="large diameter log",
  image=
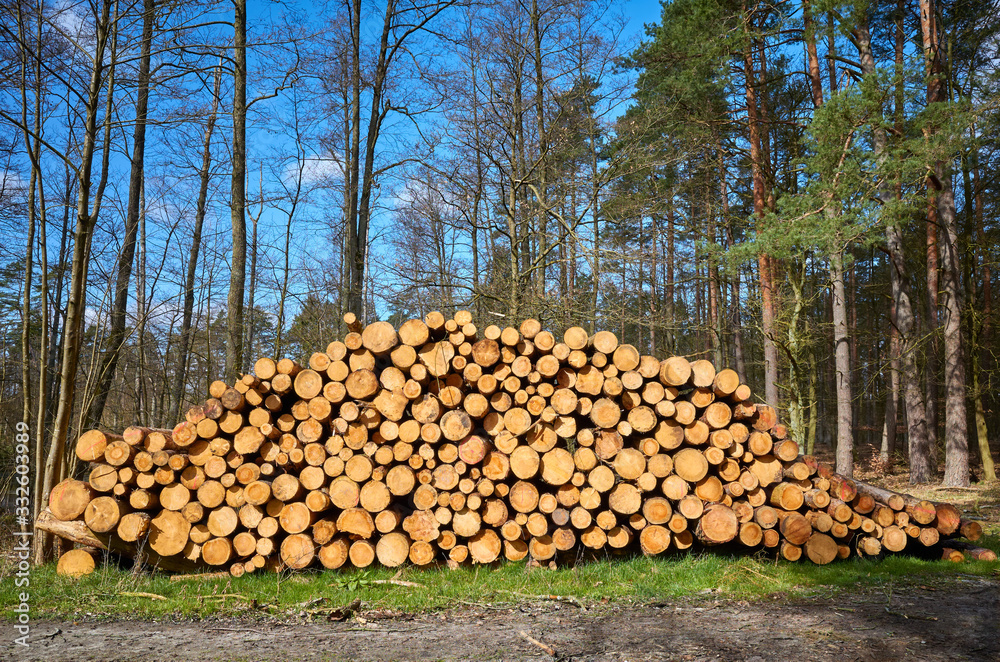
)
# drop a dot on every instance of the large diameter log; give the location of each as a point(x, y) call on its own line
point(217, 551)
point(821, 548)
point(77, 563)
point(787, 496)
point(393, 549)
point(949, 519)
point(717, 525)
point(334, 554)
point(691, 465)
point(971, 530)
point(356, 521)
point(413, 333)
point(624, 499)
point(436, 357)
point(379, 338)
point(605, 413)
point(362, 384)
point(675, 371)
point(455, 425)
point(654, 539)
point(77, 532)
point(557, 467)
point(91, 445)
point(69, 499)
point(894, 539)
point(298, 551)
point(168, 533)
point(103, 477)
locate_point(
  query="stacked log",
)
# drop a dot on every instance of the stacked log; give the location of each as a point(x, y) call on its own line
point(439, 441)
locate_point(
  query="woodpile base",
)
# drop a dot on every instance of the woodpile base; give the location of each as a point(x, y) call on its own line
point(440, 442)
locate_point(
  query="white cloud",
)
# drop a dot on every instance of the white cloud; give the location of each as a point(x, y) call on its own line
point(320, 168)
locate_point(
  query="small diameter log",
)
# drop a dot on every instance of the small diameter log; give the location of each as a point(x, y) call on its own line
point(133, 526)
point(892, 499)
point(971, 530)
point(103, 514)
point(972, 551)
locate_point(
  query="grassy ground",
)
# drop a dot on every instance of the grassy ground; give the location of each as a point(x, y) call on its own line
point(636, 579)
point(632, 579)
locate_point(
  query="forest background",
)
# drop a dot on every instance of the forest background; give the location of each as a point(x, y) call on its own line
point(804, 191)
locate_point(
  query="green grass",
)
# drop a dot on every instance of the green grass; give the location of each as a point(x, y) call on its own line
point(635, 579)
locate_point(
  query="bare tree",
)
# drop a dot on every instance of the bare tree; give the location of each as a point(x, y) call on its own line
point(403, 24)
point(116, 335)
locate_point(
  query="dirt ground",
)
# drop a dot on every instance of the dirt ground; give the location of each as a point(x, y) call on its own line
point(958, 619)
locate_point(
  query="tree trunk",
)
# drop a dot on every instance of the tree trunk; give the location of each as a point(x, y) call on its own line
point(956, 470)
point(842, 353)
point(38, 184)
point(238, 268)
point(86, 218)
point(669, 276)
point(845, 431)
point(977, 320)
point(932, 323)
point(903, 315)
point(536, 35)
point(956, 462)
point(892, 395)
point(759, 208)
point(32, 146)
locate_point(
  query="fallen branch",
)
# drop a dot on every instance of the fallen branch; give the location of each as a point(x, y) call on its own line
point(398, 582)
point(548, 649)
point(142, 594)
point(200, 576)
point(568, 599)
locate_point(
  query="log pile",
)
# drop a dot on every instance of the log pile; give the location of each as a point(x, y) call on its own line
point(439, 441)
